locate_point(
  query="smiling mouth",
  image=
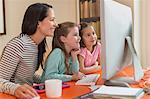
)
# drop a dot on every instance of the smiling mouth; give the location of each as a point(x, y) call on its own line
point(52, 28)
point(93, 41)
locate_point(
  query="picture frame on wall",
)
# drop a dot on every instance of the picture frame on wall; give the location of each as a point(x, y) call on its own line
point(2, 17)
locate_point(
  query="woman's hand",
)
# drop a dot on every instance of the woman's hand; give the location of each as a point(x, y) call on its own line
point(25, 92)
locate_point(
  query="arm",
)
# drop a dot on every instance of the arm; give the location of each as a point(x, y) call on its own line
point(86, 70)
point(75, 63)
point(8, 64)
point(55, 67)
point(98, 59)
point(75, 66)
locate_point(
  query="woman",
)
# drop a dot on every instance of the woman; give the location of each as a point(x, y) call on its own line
point(23, 55)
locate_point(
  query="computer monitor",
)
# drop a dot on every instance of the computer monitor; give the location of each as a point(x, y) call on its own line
point(116, 40)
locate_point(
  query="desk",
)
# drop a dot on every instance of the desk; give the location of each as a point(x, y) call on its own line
point(68, 93)
point(73, 90)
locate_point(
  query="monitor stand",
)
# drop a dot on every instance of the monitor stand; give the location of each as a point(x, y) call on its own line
point(138, 72)
point(116, 83)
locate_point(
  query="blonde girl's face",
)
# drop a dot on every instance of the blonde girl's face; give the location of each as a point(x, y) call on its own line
point(89, 36)
point(72, 40)
point(48, 25)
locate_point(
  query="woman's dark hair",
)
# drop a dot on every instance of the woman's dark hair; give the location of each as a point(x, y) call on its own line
point(35, 13)
point(83, 25)
point(63, 29)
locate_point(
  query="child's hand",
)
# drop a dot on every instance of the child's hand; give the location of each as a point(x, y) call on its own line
point(77, 76)
point(74, 53)
point(97, 68)
point(81, 75)
point(96, 63)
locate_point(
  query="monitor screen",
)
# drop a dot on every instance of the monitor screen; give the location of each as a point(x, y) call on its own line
point(116, 25)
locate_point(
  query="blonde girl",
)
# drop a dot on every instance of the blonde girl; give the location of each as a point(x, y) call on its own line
point(62, 63)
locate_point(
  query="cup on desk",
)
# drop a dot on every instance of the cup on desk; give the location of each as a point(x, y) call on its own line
point(53, 88)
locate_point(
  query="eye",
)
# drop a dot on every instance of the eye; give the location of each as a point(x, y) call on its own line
point(76, 34)
point(88, 34)
point(51, 19)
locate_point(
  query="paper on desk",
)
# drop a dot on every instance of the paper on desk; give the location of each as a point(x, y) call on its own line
point(36, 97)
point(93, 87)
point(147, 68)
point(121, 91)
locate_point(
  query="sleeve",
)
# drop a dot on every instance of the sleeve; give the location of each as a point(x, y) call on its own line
point(83, 52)
point(75, 66)
point(53, 64)
point(8, 64)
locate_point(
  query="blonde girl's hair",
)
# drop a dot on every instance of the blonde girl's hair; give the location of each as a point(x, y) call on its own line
point(63, 29)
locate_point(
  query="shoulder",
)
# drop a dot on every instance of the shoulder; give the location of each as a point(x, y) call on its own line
point(16, 43)
point(56, 54)
point(15, 46)
point(83, 52)
point(57, 51)
point(19, 40)
point(20, 43)
point(98, 45)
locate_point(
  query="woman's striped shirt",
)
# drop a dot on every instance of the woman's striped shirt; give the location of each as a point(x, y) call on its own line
point(18, 63)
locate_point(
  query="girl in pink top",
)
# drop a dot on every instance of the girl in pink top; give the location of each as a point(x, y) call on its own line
point(89, 57)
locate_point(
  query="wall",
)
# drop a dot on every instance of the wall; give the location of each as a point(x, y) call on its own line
point(65, 10)
point(145, 32)
point(126, 2)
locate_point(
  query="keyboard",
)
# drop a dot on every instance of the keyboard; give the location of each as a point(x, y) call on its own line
point(90, 79)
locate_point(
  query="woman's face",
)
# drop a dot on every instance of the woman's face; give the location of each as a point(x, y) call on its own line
point(48, 25)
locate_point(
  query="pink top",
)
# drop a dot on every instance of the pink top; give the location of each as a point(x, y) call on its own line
point(91, 58)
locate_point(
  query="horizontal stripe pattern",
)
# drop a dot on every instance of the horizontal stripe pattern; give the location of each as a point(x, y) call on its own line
point(18, 63)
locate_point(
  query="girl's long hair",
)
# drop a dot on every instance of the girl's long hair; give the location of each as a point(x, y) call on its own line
point(63, 29)
point(35, 13)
